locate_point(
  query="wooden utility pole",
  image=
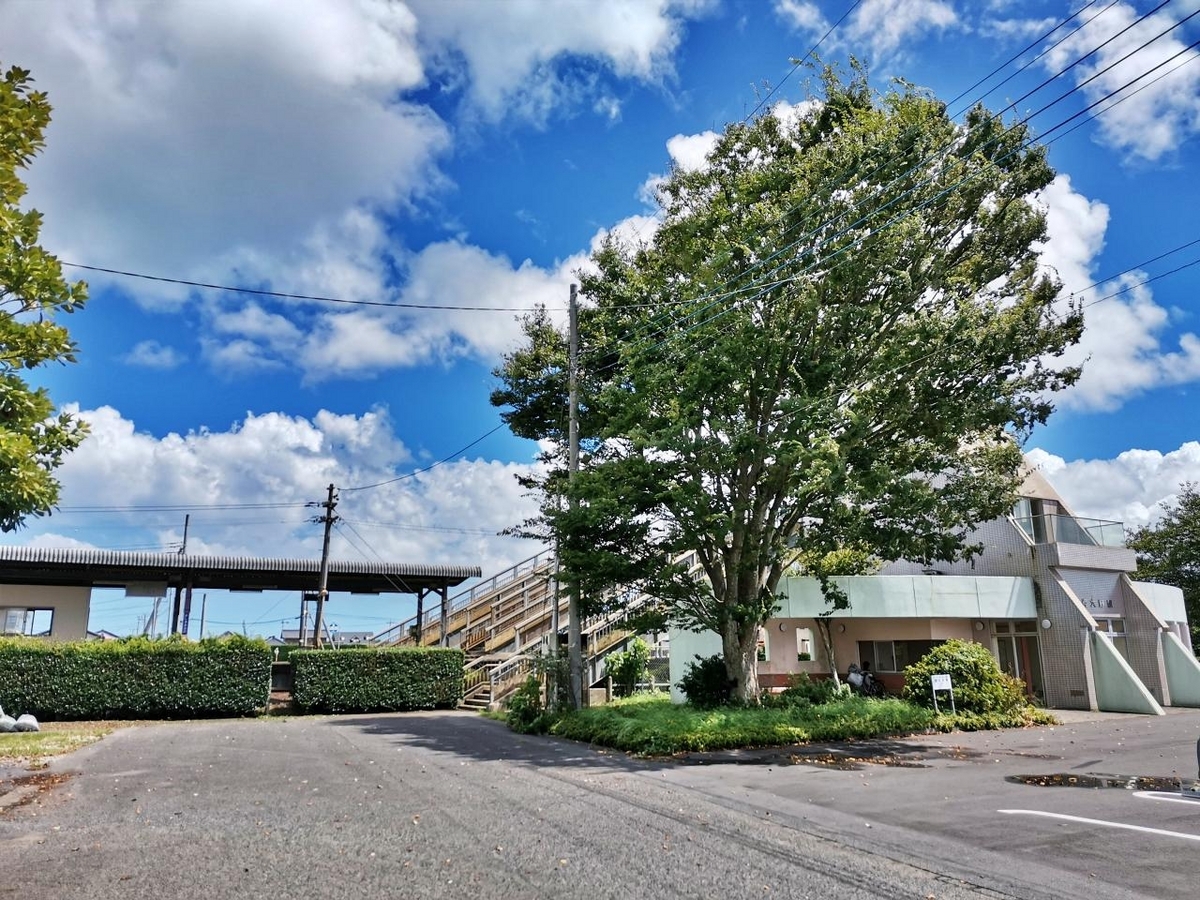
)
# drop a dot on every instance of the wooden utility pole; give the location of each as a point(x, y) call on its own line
point(330, 505)
point(176, 608)
point(574, 631)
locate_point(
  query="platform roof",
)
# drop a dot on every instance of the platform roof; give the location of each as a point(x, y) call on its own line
point(117, 568)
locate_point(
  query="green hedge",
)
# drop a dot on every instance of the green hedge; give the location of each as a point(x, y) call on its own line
point(136, 678)
point(368, 679)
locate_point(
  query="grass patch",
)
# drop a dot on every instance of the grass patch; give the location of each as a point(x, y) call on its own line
point(651, 724)
point(31, 748)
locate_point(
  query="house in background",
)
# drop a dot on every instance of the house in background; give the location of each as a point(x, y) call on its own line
point(1050, 596)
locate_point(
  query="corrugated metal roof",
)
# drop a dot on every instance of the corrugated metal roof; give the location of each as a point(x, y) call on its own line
point(104, 565)
point(74, 556)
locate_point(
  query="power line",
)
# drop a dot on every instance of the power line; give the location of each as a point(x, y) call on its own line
point(416, 472)
point(715, 298)
point(176, 507)
point(799, 62)
point(1012, 59)
point(764, 288)
point(285, 295)
point(442, 529)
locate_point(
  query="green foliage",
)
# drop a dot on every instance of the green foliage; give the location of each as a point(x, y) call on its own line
point(1022, 717)
point(979, 685)
point(629, 667)
point(651, 724)
point(526, 713)
point(136, 678)
point(836, 340)
point(706, 682)
point(1169, 551)
point(369, 679)
point(802, 691)
point(33, 292)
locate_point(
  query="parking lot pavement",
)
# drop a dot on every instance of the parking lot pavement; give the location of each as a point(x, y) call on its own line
point(1096, 799)
point(453, 805)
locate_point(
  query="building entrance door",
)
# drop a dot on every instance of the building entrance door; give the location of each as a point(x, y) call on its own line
point(1018, 654)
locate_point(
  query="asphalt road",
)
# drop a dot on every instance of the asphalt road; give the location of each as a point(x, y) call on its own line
point(453, 805)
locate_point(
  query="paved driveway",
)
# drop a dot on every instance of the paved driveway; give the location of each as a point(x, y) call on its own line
point(452, 805)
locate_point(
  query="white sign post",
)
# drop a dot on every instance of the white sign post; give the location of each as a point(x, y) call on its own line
point(942, 683)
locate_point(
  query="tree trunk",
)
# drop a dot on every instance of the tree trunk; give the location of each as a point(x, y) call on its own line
point(824, 626)
point(739, 648)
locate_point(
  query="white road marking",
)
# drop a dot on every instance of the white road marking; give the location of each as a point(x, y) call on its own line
point(1083, 821)
point(1163, 795)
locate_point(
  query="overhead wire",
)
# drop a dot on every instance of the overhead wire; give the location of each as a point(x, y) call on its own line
point(849, 389)
point(801, 60)
point(714, 299)
point(1012, 59)
point(440, 529)
point(424, 469)
point(875, 230)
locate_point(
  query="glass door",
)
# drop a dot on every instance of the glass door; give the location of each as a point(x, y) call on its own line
point(1018, 654)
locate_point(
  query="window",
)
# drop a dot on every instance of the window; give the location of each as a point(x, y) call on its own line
point(893, 656)
point(32, 622)
point(1114, 630)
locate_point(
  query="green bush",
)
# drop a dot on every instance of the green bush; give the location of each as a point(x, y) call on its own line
point(706, 683)
point(526, 713)
point(801, 691)
point(370, 679)
point(979, 685)
point(135, 678)
point(629, 667)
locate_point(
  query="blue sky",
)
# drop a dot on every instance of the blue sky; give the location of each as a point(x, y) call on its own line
point(468, 153)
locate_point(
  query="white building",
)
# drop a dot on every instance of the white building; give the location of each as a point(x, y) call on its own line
point(1050, 596)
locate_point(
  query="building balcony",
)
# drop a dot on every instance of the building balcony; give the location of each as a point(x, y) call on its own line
point(1059, 529)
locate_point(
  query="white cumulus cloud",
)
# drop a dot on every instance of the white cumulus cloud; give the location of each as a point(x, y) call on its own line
point(1131, 488)
point(1123, 349)
point(883, 26)
point(278, 463)
point(520, 57)
point(1153, 115)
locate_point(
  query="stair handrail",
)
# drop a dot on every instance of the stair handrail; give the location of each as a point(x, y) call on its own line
point(467, 597)
point(472, 595)
point(516, 665)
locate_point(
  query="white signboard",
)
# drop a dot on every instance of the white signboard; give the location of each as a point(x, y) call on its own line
point(940, 682)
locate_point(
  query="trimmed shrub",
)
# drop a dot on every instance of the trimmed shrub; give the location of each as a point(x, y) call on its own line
point(135, 678)
point(979, 685)
point(370, 679)
point(706, 683)
point(628, 667)
point(801, 691)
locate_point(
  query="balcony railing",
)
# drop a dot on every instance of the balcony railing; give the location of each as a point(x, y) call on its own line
point(1051, 529)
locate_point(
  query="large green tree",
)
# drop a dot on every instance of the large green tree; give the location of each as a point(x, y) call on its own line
point(33, 293)
point(835, 343)
point(1169, 551)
